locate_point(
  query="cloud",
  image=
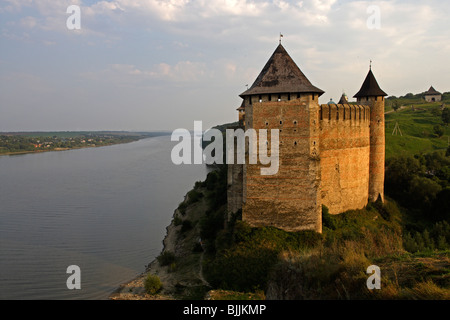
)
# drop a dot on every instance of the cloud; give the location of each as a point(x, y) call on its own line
point(186, 72)
point(28, 22)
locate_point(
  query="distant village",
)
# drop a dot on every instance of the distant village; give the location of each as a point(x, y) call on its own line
point(21, 143)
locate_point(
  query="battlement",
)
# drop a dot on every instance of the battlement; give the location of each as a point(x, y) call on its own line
point(343, 112)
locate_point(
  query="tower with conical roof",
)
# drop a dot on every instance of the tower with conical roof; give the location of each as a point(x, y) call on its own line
point(283, 98)
point(371, 95)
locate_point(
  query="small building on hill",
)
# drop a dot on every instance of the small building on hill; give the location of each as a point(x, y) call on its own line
point(432, 95)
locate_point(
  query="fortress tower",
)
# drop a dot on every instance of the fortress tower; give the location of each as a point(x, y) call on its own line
point(371, 95)
point(327, 154)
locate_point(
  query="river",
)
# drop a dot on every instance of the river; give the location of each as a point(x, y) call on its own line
point(102, 209)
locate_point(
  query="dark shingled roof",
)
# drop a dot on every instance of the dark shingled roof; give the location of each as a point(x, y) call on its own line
point(370, 87)
point(343, 99)
point(431, 91)
point(281, 75)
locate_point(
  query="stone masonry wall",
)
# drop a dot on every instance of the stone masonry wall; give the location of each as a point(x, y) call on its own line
point(344, 156)
point(288, 200)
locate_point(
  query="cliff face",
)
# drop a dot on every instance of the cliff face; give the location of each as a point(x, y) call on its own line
point(180, 271)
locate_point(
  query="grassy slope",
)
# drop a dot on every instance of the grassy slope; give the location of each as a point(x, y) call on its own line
point(417, 129)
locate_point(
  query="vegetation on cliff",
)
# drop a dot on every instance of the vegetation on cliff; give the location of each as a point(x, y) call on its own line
point(409, 242)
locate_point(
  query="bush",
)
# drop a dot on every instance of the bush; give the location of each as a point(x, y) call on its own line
point(247, 263)
point(182, 208)
point(194, 196)
point(152, 284)
point(186, 226)
point(327, 219)
point(438, 130)
point(166, 258)
point(437, 238)
point(177, 221)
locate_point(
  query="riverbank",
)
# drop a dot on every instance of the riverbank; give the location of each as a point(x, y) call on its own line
point(182, 277)
point(58, 149)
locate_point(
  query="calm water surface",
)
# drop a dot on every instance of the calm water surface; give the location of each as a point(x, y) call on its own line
point(104, 209)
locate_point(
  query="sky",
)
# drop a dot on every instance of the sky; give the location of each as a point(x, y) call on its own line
point(163, 64)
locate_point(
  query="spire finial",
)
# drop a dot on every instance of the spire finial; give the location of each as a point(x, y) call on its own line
point(370, 66)
point(281, 36)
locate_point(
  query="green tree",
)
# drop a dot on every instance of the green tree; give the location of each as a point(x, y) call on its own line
point(396, 105)
point(438, 130)
point(446, 116)
point(423, 191)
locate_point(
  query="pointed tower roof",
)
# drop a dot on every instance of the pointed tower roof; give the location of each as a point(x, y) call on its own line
point(344, 99)
point(370, 87)
point(281, 75)
point(431, 91)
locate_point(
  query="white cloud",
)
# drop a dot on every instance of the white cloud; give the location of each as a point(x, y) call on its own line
point(129, 75)
point(28, 22)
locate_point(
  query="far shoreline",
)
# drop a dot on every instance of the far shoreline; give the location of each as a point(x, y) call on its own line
point(64, 149)
point(160, 134)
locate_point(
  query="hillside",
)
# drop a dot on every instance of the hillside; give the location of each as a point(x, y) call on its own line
point(415, 132)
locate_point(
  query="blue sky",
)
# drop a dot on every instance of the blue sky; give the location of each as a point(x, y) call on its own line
point(161, 64)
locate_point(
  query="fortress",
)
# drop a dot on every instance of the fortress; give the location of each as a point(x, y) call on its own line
point(329, 154)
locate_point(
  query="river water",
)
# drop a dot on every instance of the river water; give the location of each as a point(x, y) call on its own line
point(103, 209)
